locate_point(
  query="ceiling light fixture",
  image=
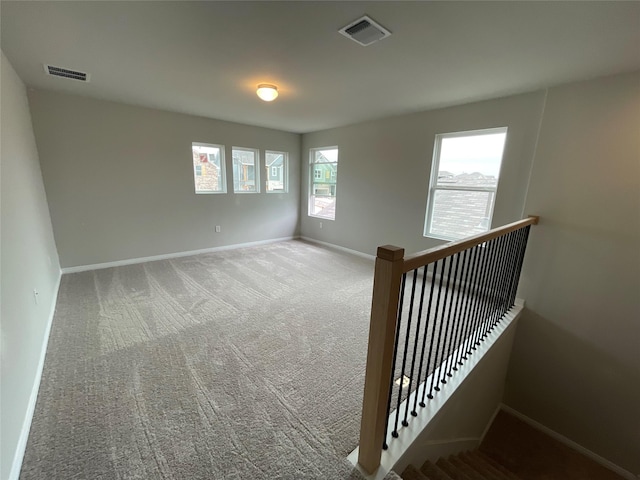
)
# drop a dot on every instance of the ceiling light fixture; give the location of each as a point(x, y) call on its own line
point(267, 92)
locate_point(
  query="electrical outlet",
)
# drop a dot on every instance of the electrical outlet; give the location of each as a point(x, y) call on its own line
point(217, 228)
point(35, 295)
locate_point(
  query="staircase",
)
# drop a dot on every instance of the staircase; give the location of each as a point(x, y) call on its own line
point(473, 465)
point(513, 450)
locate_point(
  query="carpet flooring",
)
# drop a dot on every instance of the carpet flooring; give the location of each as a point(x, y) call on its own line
point(240, 364)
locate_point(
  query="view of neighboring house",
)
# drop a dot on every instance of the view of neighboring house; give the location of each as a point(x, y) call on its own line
point(275, 167)
point(468, 211)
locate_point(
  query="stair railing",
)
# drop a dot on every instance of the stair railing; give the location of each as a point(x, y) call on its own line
point(429, 313)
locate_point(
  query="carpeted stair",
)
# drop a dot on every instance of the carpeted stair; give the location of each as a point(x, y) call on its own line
point(464, 466)
point(513, 450)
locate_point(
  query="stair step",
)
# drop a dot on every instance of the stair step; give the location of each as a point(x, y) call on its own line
point(458, 462)
point(452, 470)
point(480, 465)
point(433, 472)
point(508, 473)
point(411, 473)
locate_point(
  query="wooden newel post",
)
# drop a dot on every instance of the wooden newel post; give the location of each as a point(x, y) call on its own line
point(384, 310)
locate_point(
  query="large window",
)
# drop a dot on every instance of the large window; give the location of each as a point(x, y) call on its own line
point(245, 170)
point(276, 168)
point(464, 181)
point(208, 168)
point(323, 165)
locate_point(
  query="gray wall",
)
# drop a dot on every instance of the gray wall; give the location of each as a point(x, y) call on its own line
point(576, 360)
point(119, 181)
point(28, 261)
point(575, 366)
point(384, 168)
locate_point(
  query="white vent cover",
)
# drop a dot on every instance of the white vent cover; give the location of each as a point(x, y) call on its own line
point(365, 31)
point(66, 73)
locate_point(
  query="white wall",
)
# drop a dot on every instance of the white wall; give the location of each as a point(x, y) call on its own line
point(28, 261)
point(384, 168)
point(119, 181)
point(576, 360)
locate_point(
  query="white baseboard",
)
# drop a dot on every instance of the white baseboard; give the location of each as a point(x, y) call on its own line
point(21, 447)
point(338, 247)
point(570, 443)
point(132, 261)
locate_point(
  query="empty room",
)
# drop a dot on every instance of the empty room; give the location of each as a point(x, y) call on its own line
point(320, 240)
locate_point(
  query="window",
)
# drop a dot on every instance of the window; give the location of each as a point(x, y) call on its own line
point(208, 168)
point(276, 165)
point(245, 170)
point(322, 190)
point(464, 181)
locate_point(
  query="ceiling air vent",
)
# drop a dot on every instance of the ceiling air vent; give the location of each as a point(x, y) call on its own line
point(66, 73)
point(365, 31)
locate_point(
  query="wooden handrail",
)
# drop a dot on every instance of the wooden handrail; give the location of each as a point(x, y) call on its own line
point(426, 257)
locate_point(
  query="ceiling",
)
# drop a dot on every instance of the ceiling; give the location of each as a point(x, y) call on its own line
point(206, 58)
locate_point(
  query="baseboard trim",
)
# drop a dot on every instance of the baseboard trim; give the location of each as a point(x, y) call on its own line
point(21, 447)
point(338, 247)
point(189, 253)
point(570, 443)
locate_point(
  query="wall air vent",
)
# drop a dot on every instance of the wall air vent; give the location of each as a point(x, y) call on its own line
point(365, 31)
point(66, 73)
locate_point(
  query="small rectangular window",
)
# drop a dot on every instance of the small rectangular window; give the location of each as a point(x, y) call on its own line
point(208, 168)
point(322, 189)
point(245, 170)
point(276, 166)
point(464, 182)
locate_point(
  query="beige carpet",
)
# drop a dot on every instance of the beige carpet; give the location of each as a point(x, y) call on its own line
point(242, 364)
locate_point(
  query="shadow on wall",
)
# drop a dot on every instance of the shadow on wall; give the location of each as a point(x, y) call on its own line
point(569, 380)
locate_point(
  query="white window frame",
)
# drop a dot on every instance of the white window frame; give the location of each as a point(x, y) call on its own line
point(223, 173)
point(312, 177)
point(435, 168)
point(256, 153)
point(317, 172)
point(274, 171)
point(285, 171)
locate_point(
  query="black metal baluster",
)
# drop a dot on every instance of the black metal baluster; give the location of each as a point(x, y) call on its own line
point(500, 262)
point(415, 345)
point(393, 364)
point(446, 346)
point(465, 302)
point(435, 321)
point(434, 272)
point(521, 260)
point(515, 247)
point(472, 301)
point(506, 269)
point(481, 296)
point(404, 355)
point(438, 363)
point(500, 275)
point(491, 289)
point(490, 286)
point(456, 318)
point(512, 268)
point(424, 339)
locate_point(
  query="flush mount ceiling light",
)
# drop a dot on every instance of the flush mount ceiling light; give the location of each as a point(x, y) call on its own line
point(267, 92)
